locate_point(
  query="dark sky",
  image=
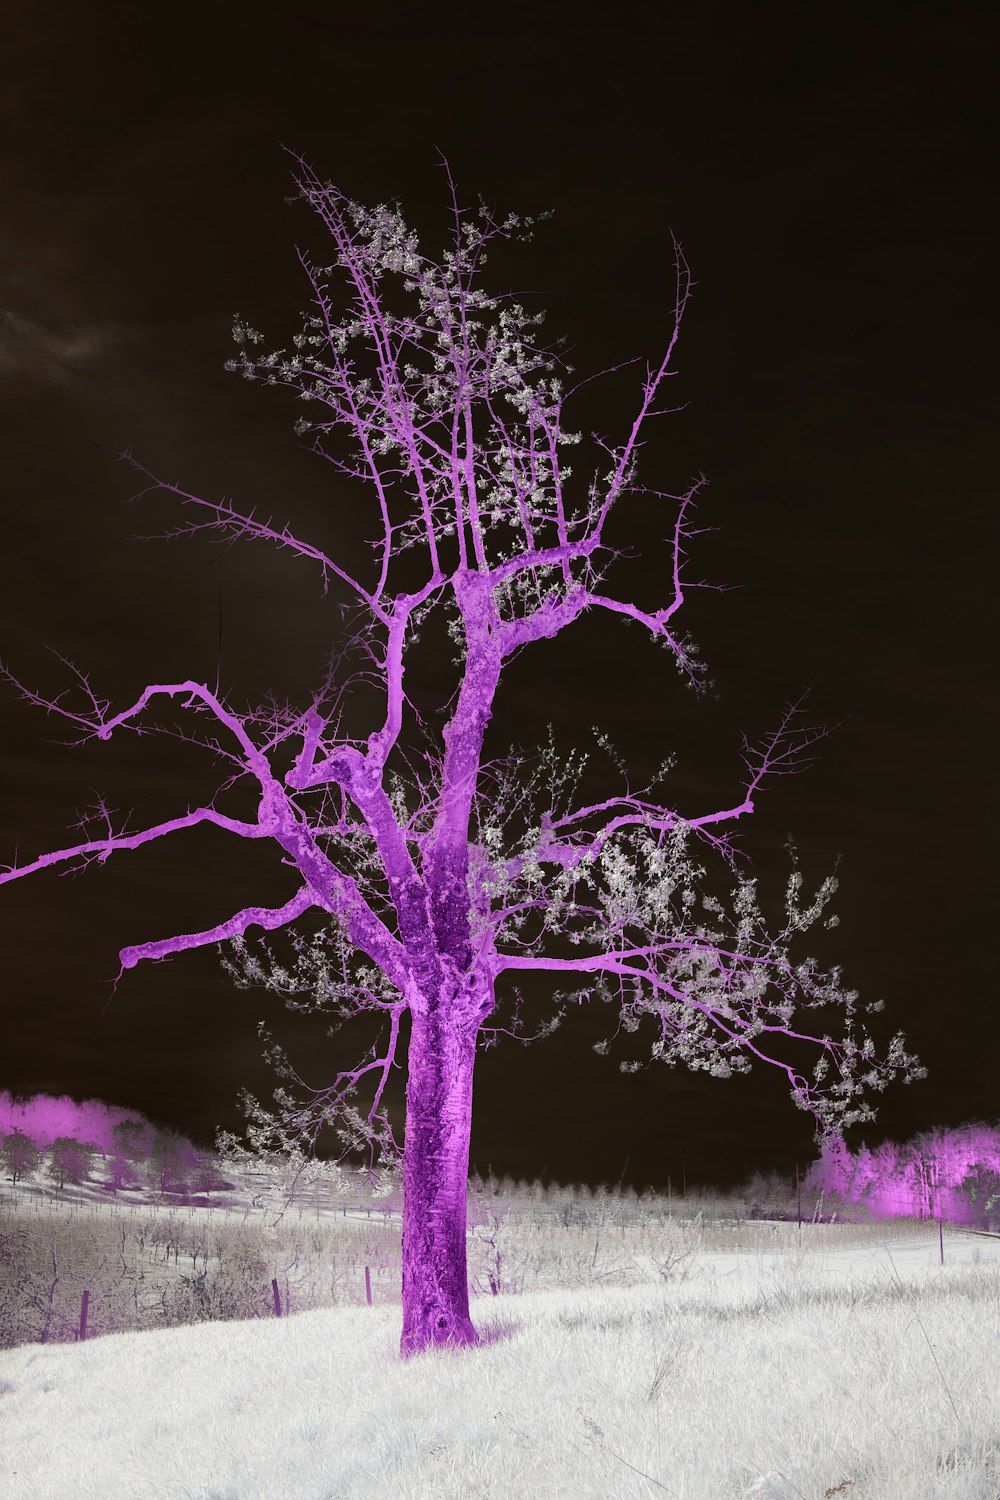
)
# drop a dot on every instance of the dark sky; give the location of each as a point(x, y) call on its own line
point(831, 175)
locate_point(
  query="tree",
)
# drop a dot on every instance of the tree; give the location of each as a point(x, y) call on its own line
point(20, 1155)
point(832, 1171)
point(126, 1154)
point(438, 883)
point(166, 1167)
point(981, 1186)
point(206, 1177)
point(69, 1158)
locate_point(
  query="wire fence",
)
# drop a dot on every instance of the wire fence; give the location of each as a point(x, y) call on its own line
point(51, 1206)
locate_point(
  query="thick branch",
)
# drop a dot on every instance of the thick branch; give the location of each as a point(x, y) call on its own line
point(235, 926)
point(553, 616)
point(277, 819)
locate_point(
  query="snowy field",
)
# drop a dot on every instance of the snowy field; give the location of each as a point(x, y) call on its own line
point(862, 1370)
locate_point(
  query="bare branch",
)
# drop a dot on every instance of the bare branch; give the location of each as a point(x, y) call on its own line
point(230, 522)
point(100, 849)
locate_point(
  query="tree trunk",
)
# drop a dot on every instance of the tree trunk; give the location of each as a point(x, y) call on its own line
point(435, 1179)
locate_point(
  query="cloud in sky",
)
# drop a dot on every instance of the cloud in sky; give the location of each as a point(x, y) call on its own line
point(53, 355)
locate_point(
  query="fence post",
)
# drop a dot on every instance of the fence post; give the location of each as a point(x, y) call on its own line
point(277, 1298)
point(83, 1315)
point(368, 1286)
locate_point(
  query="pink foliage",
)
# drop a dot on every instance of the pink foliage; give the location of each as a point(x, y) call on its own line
point(951, 1173)
point(43, 1119)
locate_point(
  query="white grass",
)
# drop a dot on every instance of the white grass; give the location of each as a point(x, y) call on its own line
point(713, 1362)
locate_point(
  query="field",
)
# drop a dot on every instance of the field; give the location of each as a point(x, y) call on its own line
point(636, 1347)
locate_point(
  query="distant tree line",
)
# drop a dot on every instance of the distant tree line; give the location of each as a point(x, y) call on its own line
point(952, 1172)
point(166, 1166)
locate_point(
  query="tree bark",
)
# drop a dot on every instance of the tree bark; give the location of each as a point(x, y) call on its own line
point(435, 1178)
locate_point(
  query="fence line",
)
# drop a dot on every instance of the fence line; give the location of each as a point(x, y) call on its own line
point(81, 1334)
point(52, 1206)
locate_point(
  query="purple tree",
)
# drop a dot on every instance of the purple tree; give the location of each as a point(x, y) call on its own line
point(421, 878)
point(20, 1155)
point(69, 1158)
